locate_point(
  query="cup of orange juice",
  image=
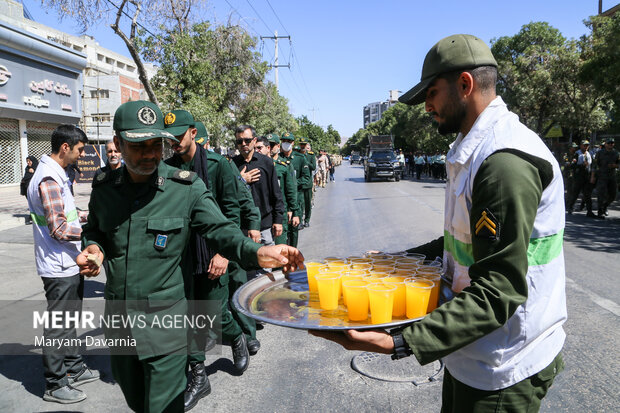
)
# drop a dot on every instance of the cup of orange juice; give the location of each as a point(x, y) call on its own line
point(357, 298)
point(381, 301)
point(418, 292)
point(328, 285)
point(433, 300)
point(312, 269)
point(400, 303)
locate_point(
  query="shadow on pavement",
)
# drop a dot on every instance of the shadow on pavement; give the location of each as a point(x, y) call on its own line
point(222, 364)
point(593, 234)
point(27, 368)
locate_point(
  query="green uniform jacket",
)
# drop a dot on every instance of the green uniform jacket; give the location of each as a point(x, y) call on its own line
point(303, 172)
point(288, 184)
point(142, 230)
point(250, 214)
point(512, 188)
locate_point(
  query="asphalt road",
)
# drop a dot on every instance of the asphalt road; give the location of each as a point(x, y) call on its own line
point(297, 372)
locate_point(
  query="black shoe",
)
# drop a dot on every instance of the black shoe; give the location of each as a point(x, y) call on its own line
point(198, 386)
point(241, 356)
point(606, 213)
point(253, 346)
point(210, 344)
point(260, 325)
point(300, 226)
point(307, 225)
point(600, 215)
point(590, 214)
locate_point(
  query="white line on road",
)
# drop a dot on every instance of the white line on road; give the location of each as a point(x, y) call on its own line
point(602, 302)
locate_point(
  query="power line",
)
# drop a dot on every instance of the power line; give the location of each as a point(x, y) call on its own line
point(302, 76)
point(261, 19)
point(128, 16)
point(275, 14)
point(241, 16)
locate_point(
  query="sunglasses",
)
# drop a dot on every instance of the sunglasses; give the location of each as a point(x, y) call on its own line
point(259, 147)
point(241, 141)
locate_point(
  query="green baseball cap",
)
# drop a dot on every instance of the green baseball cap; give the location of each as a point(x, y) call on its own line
point(178, 122)
point(459, 51)
point(140, 120)
point(202, 134)
point(287, 136)
point(585, 142)
point(273, 138)
point(303, 141)
point(574, 145)
point(610, 140)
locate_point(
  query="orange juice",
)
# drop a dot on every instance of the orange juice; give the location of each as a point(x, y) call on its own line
point(381, 300)
point(345, 277)
point(357, 297)
point(400, 303)
point(418, 294)
point(329, 290)
point(433, 301)
point(312, 269)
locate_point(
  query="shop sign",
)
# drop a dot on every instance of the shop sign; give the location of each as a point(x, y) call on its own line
point(5, 75)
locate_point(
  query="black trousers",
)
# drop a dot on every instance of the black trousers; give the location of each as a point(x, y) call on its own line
point(63, 294)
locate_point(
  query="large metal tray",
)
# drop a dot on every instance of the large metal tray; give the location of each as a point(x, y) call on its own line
point(285, 301)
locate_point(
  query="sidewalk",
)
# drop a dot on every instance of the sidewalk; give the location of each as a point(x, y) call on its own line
point(14, 207)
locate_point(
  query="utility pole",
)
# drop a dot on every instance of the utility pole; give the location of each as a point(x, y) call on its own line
point(313, 118)
point(276, 65)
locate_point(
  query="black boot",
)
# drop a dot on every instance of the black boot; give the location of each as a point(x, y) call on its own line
point(198, 386)
point(241, 356)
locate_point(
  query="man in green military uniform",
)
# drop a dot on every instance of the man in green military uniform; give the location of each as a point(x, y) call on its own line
point(305, 186)
point(288, 185)
point(500, 336)
point(301, 172)
point(606, 163)
point(140, 218)
point(206, 270)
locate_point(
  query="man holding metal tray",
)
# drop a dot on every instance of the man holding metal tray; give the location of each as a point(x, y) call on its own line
point(501, 335)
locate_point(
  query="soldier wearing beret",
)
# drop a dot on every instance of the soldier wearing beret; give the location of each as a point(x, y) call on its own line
point(141, 218)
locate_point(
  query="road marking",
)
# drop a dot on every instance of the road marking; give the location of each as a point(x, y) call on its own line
point(597, 299)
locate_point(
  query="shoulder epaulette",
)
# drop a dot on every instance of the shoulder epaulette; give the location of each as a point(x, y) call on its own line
point(105, 177)
point(184, 176)
point(281, 162)
point(310, 153)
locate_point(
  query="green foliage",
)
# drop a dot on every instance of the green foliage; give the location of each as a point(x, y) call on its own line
point(318, 138)
point(217, 75)
point(602, 67)
point(410, 126)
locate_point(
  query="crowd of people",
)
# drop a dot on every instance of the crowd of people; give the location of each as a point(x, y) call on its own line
point(213, 222)
point(418, 164)
point(588, 169)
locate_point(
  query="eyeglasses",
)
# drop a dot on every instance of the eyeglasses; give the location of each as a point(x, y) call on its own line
point(241, 141)
point(259, 147)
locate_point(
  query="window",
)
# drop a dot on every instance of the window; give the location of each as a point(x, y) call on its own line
point(101, 117)
point(100, 93)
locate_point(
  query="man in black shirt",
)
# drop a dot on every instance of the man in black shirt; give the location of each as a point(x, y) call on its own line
point(114, 159)
point(260, 175)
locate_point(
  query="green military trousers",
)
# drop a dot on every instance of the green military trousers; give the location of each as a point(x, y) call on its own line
point(238, 277)
point(152, 385)
point(283, 239)
point(304, 197)
point(523, 397)
point(205, 290)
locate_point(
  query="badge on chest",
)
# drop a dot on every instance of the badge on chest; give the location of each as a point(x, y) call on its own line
point(160, 242)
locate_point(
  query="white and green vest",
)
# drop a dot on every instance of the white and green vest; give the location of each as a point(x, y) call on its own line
point(54, 258)
point(533, 336)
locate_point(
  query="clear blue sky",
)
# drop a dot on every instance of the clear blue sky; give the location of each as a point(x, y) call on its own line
point(352, 52)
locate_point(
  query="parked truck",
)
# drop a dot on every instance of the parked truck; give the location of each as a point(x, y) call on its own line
point(380, 160)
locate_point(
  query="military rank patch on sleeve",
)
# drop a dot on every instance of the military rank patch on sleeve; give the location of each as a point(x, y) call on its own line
point(487, 226)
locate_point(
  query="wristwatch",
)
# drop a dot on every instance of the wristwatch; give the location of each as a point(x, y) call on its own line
point(401, 348)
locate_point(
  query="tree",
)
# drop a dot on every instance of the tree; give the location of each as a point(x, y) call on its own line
point(525, 81)
point(152, 13)
point(602, 67)
point(319, 139)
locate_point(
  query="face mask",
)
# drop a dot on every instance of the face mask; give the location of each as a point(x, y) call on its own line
point(210, 150)
point(286, 146)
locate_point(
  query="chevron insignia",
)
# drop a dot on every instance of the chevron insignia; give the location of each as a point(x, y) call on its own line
point(487, 226)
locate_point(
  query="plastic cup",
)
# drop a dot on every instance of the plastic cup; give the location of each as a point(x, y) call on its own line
point(415, 255)
point(383, 262)
point(329, 290)
point(433, 300)
point(418, 295)
point(381, 301)
point(429, 263)
point(357, 298)
point(346, 277)
point(360, 273)
point(312, 269)
point(407, 260)
point(399, 307)
point(359, 260)
point(382, 268)
point(360, 266)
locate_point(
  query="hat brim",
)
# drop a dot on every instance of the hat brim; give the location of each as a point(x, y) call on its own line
point(416, 94)
point(178, 130)
point(140, 135)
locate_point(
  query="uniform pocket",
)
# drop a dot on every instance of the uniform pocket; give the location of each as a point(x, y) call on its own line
point(166, 236)
point(167, 297)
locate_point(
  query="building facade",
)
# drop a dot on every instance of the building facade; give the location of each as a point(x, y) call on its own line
point(374, 111)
